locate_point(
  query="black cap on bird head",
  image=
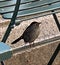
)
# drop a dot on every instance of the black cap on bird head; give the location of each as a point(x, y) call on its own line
point(35, 23)
point(39, 22)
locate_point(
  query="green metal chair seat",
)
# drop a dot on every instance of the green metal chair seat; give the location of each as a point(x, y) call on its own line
point(31, 8)
point(4, 0)
point(12, 2)
point(5, 51)
point(34, 10)
point(10, 5)
point(26, 6)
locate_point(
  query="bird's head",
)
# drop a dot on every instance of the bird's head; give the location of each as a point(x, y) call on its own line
point(36, 23)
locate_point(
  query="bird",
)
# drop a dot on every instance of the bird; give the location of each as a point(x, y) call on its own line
point(30, 34)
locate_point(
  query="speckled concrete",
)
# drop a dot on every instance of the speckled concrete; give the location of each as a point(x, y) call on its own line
point(38, 56)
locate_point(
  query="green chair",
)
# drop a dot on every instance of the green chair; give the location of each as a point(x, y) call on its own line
point(15, 10)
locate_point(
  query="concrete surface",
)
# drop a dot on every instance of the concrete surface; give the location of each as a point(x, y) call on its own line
point(40, 55)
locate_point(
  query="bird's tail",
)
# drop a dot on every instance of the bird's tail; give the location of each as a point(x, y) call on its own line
point(14, 42)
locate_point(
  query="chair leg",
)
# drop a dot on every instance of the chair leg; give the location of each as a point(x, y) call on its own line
point(2, 63)
point(54, 55)
point(56, 20)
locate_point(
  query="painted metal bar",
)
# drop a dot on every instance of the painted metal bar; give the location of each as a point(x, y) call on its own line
point(41, 43)
point(17, 22)
point(54, 55)
point(13, 2)
point(5, 52)
point(34, 10)
point(4, 0)
point(56, 20)
point(11, 23)
point(2, 63)
point(29, 6)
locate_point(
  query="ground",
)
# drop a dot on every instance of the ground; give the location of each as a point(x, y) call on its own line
point(39, 55)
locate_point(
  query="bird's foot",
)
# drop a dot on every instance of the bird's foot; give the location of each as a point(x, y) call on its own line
point(30, 45)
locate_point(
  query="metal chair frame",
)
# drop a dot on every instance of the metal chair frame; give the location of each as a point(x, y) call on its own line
point(12, 23)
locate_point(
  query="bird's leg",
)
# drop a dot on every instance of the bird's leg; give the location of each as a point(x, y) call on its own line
point(30, 44)
point(26, 44)
point(33, 44)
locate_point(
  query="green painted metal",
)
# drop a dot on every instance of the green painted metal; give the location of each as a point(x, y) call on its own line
point(7, 3)
point(12, 21)
point(27, 6)
point(5, 51)
point(12, 2)
point(34, 10)
point(4, 0)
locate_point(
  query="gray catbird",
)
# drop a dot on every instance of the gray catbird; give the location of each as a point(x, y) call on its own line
point(30, 34)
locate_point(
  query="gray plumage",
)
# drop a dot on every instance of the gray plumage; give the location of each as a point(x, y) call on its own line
point(30, 34)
